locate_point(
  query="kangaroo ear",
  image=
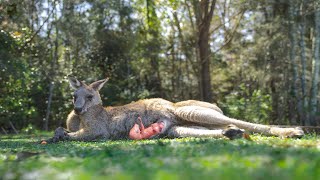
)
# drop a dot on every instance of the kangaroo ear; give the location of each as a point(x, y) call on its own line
point(98, 84)
point(74, 83)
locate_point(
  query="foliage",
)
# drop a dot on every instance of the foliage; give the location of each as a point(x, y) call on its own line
point(16, 76)
point(262, 56)
point(253, 107)
point(186, 158)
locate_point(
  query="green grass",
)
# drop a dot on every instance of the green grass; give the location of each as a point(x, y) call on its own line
point(186, 158)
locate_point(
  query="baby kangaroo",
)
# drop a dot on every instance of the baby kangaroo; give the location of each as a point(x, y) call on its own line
point(90, 120)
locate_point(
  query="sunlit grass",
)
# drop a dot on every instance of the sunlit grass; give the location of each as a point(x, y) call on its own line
point(186, 158)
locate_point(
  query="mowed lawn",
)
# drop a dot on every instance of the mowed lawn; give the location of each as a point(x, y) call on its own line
point(186, 158)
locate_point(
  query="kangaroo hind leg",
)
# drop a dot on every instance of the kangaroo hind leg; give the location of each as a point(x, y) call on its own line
point(182, 131)
point(208, 116)
point(198, 103)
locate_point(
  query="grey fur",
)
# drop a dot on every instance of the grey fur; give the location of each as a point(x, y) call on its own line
point(183, 119)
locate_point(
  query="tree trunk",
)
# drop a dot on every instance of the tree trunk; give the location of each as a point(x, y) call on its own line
point(193, 61)
point(204, 12)
point(48, 112)
point(275, 99)
point(186, 51)
point(52, 74)
point(304, 117)
point(12, 126)
point(154, 47)
point(315, 74)
point(204, 52)
point(294, 100)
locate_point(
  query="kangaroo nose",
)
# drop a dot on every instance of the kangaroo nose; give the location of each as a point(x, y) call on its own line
point(77, 110)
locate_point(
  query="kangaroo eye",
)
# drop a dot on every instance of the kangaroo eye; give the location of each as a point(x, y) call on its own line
point(89, 97)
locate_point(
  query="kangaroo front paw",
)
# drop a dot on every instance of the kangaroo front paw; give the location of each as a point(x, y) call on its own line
point(287, 132)
point(60, 134)
point(233, 132)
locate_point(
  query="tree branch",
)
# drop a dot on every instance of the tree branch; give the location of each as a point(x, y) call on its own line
point(231, 34)
point(38, 30)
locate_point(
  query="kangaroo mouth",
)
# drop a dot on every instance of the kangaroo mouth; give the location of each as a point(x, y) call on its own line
point(79, 112)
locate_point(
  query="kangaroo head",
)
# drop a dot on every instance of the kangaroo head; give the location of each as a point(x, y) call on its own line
point(85, 96)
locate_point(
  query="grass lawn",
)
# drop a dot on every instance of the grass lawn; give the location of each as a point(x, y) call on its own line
point(187, 158)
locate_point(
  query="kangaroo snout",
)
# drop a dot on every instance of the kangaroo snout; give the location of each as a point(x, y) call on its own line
point(77, 110)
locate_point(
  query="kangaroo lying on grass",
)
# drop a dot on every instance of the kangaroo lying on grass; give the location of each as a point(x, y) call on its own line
point(90, 120)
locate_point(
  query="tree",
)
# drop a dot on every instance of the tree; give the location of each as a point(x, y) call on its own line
point(316, 66)
point(244, 54)
point(204, 11)
point(304, 119)
point(294, 99)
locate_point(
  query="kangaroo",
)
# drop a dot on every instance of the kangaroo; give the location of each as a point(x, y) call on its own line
point(89, 120)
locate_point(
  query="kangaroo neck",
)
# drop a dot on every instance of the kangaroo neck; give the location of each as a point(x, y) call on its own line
point(92, 112)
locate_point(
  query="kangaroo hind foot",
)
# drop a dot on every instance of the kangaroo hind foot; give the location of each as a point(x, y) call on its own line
point(296, 132)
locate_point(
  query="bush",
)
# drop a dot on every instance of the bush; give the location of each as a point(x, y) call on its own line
point(253, 107)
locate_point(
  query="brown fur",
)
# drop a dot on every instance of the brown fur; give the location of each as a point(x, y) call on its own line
point(187, 118)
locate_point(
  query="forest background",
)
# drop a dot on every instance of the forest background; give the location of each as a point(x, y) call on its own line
point(257, 59)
